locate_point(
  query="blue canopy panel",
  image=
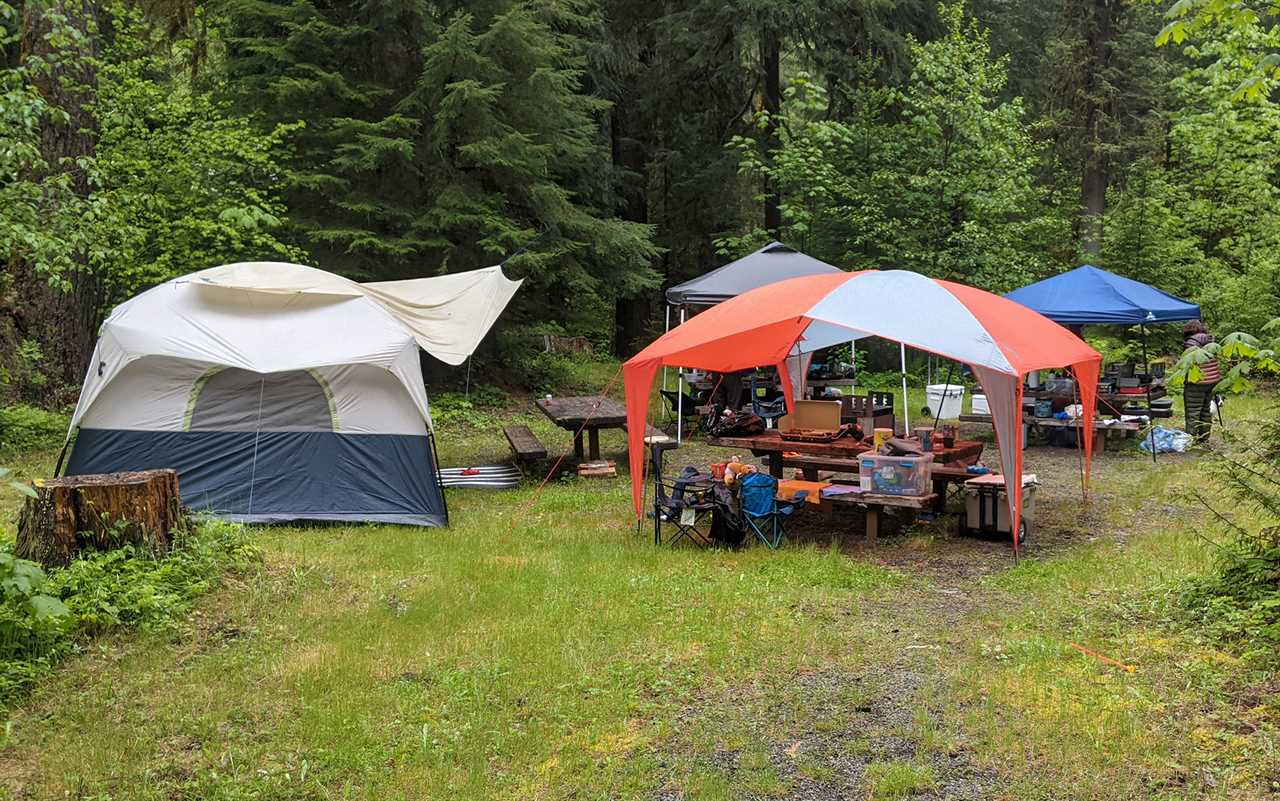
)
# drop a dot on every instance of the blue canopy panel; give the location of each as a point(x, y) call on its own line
point(1089, 295)
point(772, 263)
point(280, 476)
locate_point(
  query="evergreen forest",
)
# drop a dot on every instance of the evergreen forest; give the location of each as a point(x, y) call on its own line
point(603, 150)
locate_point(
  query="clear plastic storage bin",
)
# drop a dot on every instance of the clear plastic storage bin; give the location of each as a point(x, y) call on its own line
point(895, 475)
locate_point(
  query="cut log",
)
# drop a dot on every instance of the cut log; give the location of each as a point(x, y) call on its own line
point(99, 512)
point(603, 468)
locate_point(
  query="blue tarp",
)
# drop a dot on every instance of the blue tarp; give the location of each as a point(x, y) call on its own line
point(1088, 294)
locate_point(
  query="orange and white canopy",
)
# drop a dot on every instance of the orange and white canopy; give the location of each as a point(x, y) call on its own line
point(1000, 340)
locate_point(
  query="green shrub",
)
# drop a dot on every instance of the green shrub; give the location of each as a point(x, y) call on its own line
point(1238, 602)
point(25, 428)
point(487, 396)
point(453, 410)
point(522, 362)
point(44, 618)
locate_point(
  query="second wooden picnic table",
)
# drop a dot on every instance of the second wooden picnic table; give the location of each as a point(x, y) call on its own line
point(588, 413)
point(770, 444)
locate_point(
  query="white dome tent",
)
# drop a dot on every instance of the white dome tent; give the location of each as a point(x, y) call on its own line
point(282, 392)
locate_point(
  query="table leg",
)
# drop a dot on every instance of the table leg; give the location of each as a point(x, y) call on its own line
point(577, 445)
point(775, 465)
point(1099, 440)
point(940, 502)
point(810, 473)
point(594, 434)
point(873, 524)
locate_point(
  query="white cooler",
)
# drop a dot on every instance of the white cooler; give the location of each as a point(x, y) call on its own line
point(986, 505)
point(944, 400)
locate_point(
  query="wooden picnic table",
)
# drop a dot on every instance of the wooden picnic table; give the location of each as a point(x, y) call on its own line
point(770, 444)
point(1100, 426)
point(1157, 391)
point(588, 413)
point(1109, 403)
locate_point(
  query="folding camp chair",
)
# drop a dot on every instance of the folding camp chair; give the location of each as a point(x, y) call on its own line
point(758, 496)
point(688, 408)
point(687, 510)
point(766, 407)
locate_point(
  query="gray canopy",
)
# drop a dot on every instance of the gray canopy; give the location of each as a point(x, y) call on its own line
point(773, 262)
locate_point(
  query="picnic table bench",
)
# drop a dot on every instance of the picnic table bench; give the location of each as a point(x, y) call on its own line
point(874, 504)
point(942, 475)
point(524, 444)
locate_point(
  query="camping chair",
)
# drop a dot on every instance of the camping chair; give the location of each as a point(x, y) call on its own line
point(672, 500)
point(687, 409)
point(766, 403)
point(758, 496)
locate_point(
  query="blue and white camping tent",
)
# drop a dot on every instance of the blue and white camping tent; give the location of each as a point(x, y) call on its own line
point(282, 392)
point(1090, 295)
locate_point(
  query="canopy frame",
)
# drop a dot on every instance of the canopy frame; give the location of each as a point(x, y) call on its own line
point(1001, 343)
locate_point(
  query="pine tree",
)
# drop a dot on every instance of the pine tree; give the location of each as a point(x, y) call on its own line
point(446, 138)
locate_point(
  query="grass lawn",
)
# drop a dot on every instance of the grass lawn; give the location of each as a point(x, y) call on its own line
point(542, 648)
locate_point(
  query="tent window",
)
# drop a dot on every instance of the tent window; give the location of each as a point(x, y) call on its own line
point(240, 400)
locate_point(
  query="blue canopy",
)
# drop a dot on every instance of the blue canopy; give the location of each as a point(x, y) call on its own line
point(1088, 294)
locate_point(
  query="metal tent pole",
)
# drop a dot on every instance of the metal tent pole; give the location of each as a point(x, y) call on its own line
point(906, 403)
point(853, 362)
point(1146, 368)
point(666, 327)
point(680, 395)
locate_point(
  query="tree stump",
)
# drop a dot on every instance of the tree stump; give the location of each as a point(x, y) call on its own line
point(99, 512)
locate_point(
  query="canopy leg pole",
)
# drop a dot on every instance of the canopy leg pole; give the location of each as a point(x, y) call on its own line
point(906, 403)
point(853, 362)
point(1080, 434)
point(666, 327)
point(680, 395)
point(1146, 368)
point(1146, 362)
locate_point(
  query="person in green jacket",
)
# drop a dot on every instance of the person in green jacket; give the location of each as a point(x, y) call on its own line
point(1197, 396)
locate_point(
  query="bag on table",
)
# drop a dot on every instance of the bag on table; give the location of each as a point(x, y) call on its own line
point(734, 424)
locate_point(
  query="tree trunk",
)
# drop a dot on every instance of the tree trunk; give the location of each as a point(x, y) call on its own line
point(630, 313)
point(771, 58)
point(1094, 176)
point(63, 323)
point(99, 512)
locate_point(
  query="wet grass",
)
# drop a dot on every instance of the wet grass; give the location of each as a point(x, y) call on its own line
point(540, 648)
